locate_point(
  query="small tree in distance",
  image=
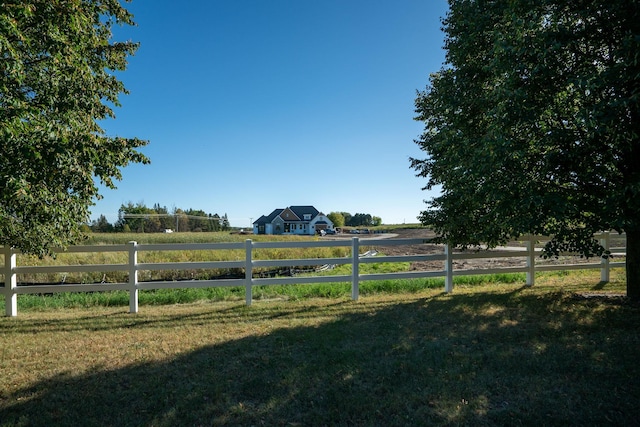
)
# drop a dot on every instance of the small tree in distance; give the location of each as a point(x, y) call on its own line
point(101, 225)
point(336, 218)
point(340, 219)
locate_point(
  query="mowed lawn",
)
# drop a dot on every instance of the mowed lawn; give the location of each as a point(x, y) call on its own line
point(484, 355)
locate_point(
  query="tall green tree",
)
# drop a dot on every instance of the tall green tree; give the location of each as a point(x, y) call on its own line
point(182, 220)
point(101, 225)
point(137, 218)
point(57, 82)
point(533, 125)
point(336, 218)
point(360, 219)
point(347, 218)
point(198, 220)
point(225, 223)
point(167, 221)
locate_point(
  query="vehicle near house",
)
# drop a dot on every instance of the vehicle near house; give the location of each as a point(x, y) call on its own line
point(300, 220)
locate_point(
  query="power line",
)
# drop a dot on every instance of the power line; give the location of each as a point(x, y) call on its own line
point(184, 216)
point(177, 216)
point(147, 216)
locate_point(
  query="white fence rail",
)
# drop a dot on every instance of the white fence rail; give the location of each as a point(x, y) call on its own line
point(528, 253)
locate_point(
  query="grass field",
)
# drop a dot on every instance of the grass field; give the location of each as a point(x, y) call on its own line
point(97, 258)
point(488, 354)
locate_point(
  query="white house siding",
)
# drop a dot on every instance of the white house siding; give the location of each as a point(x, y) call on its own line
point(321, 218)
point(301, 228)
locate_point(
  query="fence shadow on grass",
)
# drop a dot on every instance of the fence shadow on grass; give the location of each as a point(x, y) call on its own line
point(499, 359)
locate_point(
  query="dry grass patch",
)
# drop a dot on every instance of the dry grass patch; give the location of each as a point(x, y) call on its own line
point(490, 355)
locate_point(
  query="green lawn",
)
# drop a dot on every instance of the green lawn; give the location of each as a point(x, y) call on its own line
point(491, 354)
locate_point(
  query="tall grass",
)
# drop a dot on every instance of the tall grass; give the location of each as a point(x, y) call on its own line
point(97, 258)
point(557, 280)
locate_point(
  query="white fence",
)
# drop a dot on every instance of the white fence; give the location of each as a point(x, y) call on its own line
point(528, 252)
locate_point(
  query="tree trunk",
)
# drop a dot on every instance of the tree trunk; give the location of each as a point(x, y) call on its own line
point(633, 264)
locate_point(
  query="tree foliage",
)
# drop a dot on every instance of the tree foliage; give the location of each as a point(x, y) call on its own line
point(533, 123)
point(101, 225)
point(360, 219)
point(341, 219)
point(336, 218)
point(57, 64)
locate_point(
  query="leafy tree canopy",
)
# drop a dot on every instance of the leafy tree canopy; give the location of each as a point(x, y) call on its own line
point(336, 218)
point(341, 219)
point(533, 123)
point(101, 225)
point(57, 64)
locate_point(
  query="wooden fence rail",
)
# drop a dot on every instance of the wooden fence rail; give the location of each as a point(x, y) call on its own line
point(529, 252)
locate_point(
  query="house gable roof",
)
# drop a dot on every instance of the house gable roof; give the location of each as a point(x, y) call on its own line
point(289, 215)
point(292, 213)
point(267, 219)
point(301, 211)
point(260, 220)
point(274, 214)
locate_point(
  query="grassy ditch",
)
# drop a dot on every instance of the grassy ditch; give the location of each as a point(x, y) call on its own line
point(559, 353)
point(304, 291)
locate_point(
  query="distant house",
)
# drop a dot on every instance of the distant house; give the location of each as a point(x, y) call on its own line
point(293, 220)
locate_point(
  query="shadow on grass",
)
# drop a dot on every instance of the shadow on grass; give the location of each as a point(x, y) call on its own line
point(600, 285)
point(499, 359)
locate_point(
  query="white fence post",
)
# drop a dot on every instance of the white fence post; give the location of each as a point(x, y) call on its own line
point(355, 270)
point(448, 268)
point(9, 268)
point(133, 277)
point(248, 272)
point(10, 282)
point(604, 262)
point(531, 262)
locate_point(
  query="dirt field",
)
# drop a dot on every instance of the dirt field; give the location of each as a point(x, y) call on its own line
point(427, 248)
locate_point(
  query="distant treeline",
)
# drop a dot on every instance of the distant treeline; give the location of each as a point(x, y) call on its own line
point(139, 218)
point(142, 219)
point(342, 219)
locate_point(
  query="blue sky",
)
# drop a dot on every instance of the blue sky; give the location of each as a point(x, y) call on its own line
point(253, 105)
